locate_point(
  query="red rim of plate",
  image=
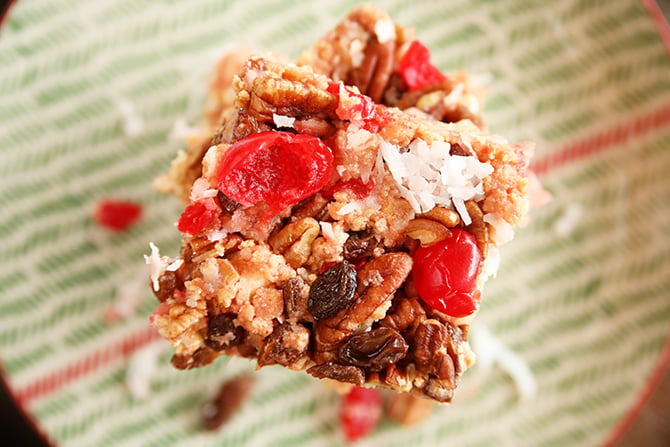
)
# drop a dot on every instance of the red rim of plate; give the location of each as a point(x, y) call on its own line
point(629, 417)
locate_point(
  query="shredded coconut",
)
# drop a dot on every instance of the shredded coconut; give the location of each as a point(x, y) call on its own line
point(201, 190)
point(283, 120)
point(369, 202)
point(158, 264)
point(142, 366)
point(181, 131)
point(216, 235)
point(385, 31)
point(174, 266)
point(490, 350)
point(503, 232)
point(429, 176)
point(132, 122)
point(327, 230)
point(564, 225)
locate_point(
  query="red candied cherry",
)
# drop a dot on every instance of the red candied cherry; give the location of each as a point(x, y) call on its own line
point(445, 274)
point(117, 215)
point(416, 69)
point(276, 168)
point(195, 218)
point(360, 412)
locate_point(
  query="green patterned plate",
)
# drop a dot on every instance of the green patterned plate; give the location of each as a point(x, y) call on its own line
point(89, 94)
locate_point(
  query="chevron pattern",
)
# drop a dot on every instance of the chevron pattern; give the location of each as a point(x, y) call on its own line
point(587, 310)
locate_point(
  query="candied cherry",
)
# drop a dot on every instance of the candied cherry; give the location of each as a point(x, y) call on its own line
point(117, 215)
point(416, 69)
point(276, 168)
point(445, 274)
point(360, 412)
point(195, 218)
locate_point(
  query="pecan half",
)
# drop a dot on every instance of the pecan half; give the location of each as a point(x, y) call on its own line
point(373, 350)
point(408, 312)
point(448, 218)
point(478, 227)
point(340, 373)
point(428, 232)
point(295, 240)
point(433, 342)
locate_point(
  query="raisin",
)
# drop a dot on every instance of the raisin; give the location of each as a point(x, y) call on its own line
point(333, 290)
point(359, 246)
point(341, 373)
point(167, 283)
point(230, 397)
point(284, 346)
point(222, 332)
point(201, 357)
point(373, 350)
point(227, 203)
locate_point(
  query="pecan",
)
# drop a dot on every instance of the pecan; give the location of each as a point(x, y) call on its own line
point(332, 291)
point(230, 397)
point(397, 378)
point(428, 232)
point(407, 409)
point(222, 332)
point(478, 227)
point(373, 350)
point(378, 280)
point(434, 350)
point(285, 346)
point(340, 373)
point(201, 357)
point(407, 313)
point(448, 218)
point(295, 240)
point(375, 71)
point(439, 390)
point(296, 293)
point(313, 206)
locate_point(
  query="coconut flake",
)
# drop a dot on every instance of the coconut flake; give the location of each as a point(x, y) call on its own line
point(201, 190)
point(216, 235)
point(369, 202)
point(327, 230)
point(283, 120)
point(385, 30)
point(142, 366)
point(181, 130)
point(502, 231)
point(158, 265)
point(429, 175)
point(490, 350)
point(564, 225)
point(132, 122)
point(174, 266)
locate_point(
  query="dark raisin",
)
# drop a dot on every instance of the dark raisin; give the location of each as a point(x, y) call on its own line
point(227, 203)
point(341, 373)
point(201, 357)
point(230, 397)
point(333, 290)
point(359, 246)
point(222, 332)
point(167, 283)
point(284, 346)
point(373, 350)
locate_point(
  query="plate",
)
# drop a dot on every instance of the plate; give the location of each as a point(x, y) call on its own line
point(89, 96)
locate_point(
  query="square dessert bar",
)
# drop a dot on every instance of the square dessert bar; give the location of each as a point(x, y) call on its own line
point(330, 233)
